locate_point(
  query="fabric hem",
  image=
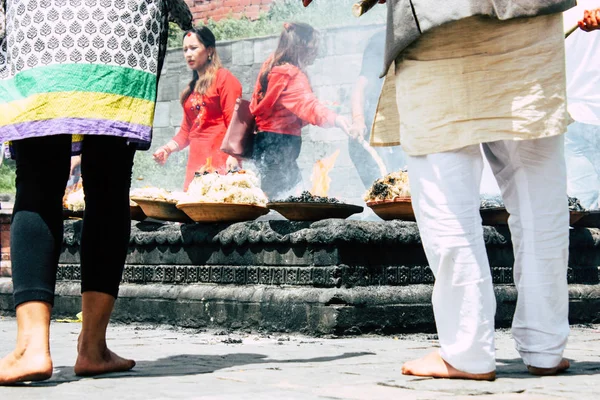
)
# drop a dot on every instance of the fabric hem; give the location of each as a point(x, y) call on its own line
point(25, 296)
point(468, 370)
point(475, 142)
point(538, 360)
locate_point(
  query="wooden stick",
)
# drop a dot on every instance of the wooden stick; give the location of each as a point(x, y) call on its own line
point(363, 6)
point(571, 30)
point(373, 153)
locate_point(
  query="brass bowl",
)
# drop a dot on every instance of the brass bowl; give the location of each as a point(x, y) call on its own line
point(307, 211)
point(161, 210)
point(591, 219)
point(398, 208)
point(221, 212)
point(137, 213)
point(401, 208)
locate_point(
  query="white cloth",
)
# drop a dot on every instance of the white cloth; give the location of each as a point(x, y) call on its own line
point(445, 197)
point(583, 77)
point(582, 141)
point(582, 153)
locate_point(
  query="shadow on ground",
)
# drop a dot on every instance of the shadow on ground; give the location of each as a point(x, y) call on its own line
point(186, 364)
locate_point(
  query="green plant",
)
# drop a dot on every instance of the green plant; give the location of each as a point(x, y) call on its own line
point(7, 177)
point(320, 14)
point(175, 36)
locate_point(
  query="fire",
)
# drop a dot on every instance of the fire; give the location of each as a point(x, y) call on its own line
point(207, 167)
point(72, 189)
point(320, 175)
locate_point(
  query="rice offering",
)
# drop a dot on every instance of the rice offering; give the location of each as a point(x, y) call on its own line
point(75, 201)
point(240, 187)
point(389, 187)
point(154, 193)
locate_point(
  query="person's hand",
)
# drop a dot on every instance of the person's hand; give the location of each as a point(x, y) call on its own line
point(232, 163)
point(343, 124)
point(161, 155)
point(590, 21)
point(358, 129)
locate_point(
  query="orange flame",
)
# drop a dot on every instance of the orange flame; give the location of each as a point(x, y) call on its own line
point(320, 175)
point(72, 189)
point(207, 167)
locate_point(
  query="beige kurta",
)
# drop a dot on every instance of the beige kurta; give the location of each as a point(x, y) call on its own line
point(473, 81)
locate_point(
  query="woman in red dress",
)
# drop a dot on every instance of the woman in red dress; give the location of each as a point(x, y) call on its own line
point(283, 103)
point(208, 104)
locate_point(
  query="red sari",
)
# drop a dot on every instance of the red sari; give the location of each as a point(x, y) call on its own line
point(205, 121)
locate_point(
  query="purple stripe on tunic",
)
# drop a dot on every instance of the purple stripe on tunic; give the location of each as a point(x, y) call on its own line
point(84, 126)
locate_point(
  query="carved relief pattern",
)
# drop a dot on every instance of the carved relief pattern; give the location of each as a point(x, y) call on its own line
point(330, 276)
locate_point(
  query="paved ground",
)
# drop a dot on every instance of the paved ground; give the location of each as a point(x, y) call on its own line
point(176, 363)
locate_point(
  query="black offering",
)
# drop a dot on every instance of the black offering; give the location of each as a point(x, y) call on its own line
point(308, 207)
point(307, 197)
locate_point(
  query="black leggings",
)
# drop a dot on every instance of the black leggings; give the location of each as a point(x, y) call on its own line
point(37, 224)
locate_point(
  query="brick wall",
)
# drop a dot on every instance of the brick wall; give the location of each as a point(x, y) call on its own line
point(202, 10)
point(5, 243)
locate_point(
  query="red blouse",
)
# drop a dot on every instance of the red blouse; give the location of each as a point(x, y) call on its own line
point(289, 103)
point(205, 121)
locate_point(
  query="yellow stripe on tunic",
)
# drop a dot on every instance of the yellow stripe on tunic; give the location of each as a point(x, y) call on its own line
point(78, 105)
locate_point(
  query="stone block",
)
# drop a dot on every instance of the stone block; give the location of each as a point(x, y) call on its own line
point(263, 47)
point(252, 275)
point(247, 77)
point(278, 276)
point(243, 52)
point(343, 69)
point(161, 135)
point(225, 52)
point(169, 276)
point(161, 115)
point(168, 88)
point(176, 114)
point(193, 275)
point(203, 274)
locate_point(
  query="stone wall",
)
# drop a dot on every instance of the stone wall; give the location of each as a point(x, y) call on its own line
point(325, 277)
point(202, 10)
point(332, 76)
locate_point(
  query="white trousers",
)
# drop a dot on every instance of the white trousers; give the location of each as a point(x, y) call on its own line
point(445, 196)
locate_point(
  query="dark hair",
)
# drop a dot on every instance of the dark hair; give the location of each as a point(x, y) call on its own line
point(297, 46)
point(199, 83)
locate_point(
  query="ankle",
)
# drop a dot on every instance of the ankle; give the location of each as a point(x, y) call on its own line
point(31, 344)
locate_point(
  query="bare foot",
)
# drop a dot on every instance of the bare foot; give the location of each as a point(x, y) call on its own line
point(562, 366)
point(102, 362)
point(434, 365)
point(21, 366)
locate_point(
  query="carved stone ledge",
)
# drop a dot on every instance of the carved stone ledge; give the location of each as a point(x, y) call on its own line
point(329, 253)
point(326, 277)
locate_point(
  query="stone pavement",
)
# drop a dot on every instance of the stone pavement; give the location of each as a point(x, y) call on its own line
point(175, 363)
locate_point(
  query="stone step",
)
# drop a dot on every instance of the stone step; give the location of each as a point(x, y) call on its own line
point(315, 311)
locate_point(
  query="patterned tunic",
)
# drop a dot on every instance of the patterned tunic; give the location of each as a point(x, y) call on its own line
point(83, 66)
